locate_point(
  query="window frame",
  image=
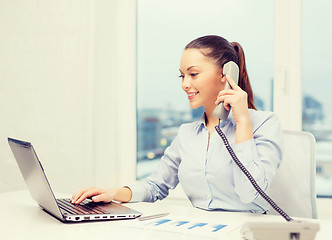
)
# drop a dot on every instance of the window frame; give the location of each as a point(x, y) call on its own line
point(287, 87)
point(114, 120)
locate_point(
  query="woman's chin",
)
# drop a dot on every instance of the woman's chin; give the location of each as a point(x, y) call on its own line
point(194, 106)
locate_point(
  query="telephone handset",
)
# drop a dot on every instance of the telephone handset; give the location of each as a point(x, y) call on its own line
point(230, 69)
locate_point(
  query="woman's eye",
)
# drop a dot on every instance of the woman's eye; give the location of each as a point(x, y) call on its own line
point(181, 76)
point(193, 74)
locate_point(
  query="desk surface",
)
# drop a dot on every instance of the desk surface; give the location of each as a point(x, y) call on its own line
point(21, 218)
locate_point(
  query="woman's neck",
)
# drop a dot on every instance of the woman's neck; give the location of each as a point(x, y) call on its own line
point(210, 120)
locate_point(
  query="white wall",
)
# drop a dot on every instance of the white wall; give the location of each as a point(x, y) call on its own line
point(46, 93)
point(59, 75)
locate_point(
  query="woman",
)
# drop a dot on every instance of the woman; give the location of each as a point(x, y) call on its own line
point(197, 157)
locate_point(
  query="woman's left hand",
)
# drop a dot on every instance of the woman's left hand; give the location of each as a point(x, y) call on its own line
point(235, 98)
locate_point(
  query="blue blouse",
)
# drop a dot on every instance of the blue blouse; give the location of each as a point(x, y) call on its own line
point(206, 171)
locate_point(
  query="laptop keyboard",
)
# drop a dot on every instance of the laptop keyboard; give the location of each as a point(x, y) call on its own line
point(84, 208)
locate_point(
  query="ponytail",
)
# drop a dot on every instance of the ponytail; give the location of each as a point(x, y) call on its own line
point(244, 82)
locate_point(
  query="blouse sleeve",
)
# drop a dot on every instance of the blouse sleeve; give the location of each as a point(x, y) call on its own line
point(260, 155)
point(164, 178)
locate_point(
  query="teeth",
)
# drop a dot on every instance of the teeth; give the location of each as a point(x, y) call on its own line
point(192, 94)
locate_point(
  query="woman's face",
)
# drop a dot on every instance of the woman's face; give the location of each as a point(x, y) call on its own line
point(201, 79)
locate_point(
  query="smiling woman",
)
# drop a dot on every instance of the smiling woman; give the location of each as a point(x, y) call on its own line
point(160, 113)
point(197, 158)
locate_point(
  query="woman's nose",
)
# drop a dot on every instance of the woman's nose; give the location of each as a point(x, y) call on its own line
point(185, 83)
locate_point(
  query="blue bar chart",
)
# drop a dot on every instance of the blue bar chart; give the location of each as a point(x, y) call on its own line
point(185, 226)
point(182, 227)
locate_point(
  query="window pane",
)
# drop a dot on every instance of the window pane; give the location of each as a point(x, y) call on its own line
point(317, 97)
point(163, 30)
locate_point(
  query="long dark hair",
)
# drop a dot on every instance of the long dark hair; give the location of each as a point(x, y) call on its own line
point(221, 51)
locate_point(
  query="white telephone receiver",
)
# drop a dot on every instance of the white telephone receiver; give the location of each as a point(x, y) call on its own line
point(230, 69)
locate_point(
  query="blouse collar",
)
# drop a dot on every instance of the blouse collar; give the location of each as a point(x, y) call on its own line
point(201, 123)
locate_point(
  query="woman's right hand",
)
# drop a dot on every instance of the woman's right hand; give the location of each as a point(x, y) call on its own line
point(102, 195)
point(96, 194)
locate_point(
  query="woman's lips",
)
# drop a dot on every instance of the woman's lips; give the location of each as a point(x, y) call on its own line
point(191, 95)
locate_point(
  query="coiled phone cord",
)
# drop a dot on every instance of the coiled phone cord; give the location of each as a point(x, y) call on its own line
point(250, 177)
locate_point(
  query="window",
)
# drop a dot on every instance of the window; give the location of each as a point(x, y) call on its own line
point(163, 30)
point(317, 100)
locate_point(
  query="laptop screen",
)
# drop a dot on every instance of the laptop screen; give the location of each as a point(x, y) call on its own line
point(34, 176)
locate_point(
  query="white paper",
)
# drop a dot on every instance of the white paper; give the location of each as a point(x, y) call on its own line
point(175, 227)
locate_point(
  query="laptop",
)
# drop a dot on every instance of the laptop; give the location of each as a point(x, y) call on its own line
point(40, 190)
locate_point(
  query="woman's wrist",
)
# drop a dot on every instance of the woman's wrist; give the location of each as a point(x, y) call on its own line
point(123, 194)
point(244, 130)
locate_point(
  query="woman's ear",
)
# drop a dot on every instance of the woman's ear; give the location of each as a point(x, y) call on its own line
point(223, 78)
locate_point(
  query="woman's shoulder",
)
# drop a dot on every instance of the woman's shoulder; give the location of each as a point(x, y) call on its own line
point(260, 113)
point(259, 118)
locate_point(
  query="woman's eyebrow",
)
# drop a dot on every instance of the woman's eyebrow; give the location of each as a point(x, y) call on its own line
point(190, 67)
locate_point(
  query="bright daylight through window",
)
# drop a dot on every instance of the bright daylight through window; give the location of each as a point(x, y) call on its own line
point(317, 100)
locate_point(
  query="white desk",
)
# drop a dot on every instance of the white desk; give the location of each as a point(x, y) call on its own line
point(21, 218)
